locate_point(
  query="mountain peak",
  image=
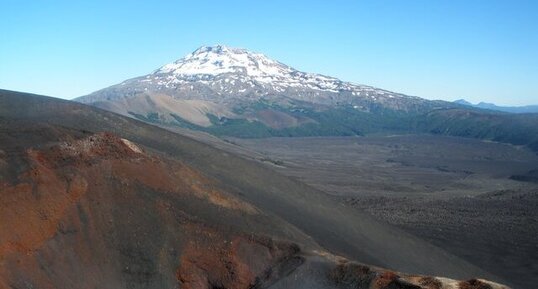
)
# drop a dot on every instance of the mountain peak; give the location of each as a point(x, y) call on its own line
point(218, 48)
point(462, 102)
point(220, 59)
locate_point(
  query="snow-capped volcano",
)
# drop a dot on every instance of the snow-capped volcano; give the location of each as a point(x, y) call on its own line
point(223, 74)
point(240, 72)
point(236, 83)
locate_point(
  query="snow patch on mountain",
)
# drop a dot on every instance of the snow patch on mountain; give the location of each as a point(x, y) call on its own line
point(208, 64)
point(221, 59)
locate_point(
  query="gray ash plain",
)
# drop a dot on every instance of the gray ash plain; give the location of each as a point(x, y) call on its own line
point(463, 195)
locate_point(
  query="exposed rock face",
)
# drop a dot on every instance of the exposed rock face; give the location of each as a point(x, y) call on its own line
point(243, 262)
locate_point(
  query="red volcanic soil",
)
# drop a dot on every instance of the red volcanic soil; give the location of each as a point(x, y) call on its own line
point(101, 212)
point(58, 177)
point(96, 196)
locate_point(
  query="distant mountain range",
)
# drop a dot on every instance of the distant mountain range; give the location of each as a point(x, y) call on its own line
point(510, 109)
point(236, 92)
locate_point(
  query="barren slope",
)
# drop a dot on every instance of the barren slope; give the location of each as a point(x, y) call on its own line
point(142, 207)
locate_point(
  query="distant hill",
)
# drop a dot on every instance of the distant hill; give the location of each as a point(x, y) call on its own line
point(510, 109)
point(237, 92)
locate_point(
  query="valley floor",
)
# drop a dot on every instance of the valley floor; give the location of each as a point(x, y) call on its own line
point(453, 192)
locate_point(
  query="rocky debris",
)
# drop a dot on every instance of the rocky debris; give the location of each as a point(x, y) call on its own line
point(102, 145)
point(240, 263)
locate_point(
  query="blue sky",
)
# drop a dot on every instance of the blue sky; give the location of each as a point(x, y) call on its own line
point(477, 50)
